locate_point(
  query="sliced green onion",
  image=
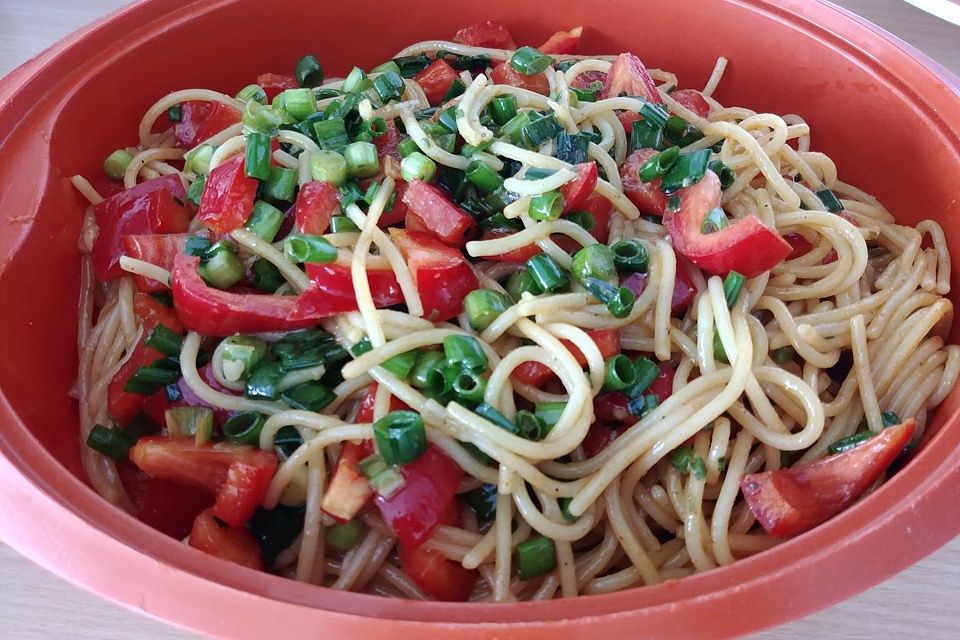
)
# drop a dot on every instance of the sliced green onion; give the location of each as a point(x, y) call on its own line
point(263, 381)
point(308, 71)
point(407, 146)
point(361, 348)
point(244, 427)
point(371, 129)
point(538, 131)
point(594, 261)
point(257, 161)
point(487, 412)
point(621, 304)
point(725, 173)
point(688, 170)
point(195, 192)
point(645, 135)
point(850, 442)
point(281, 186)
point(503, 108)
point(222, 268)
point(680, 132)
point(732, 285)
point(410, 66)
point(328, 166)
point(389, 86)
point(535, 557)
point(455, 89)
point(513, 129)
point(448, 119)
point(890, 419)
point(116, 163)
point(261, 119)
point(469, 388)
point(384, 479)
point(682, 458)
point(588, 93)
point(265, 276)
point(646, 372)
point(546, 206)
point(714, 221)
point(783, 355)
point(400, 437)
point(308, 396)
point(343, 224)
point(483, 306)
point(643, 404)
point(197, 160)
point(299, 103)
point(265, 220)
point(483, 177)
point(499, 199)
point(719, 353)
point(522, 282)
point(620, 373)
point(386, 67)
point(830, 200)
point(483, 501)
point(630, 256)
point(402, 364)
point(331, 134)
point(529, 61)
point(530, 426)
point(464, 352)
point(658, 165)
point(417, 166)
point(362, 159)
point(572, 148)
point(547, 274)
point(583, 218)
point(343, 537)
point(111, 442)
point(428, 374)
point(655, 114)
point(165, 341)
point(252, 92)
point(549, 412)
point(190, 422)
point(175, 113)
point(197, 246)
point(288, 440)
point(356, 81)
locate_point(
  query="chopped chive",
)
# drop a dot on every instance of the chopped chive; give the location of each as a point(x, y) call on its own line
point(594, 261)
point(850, 442)
point(389, 86)
point(400, 437)
point(469, 387)
point(483, 306)
point(530, 426)
point(410, 66)
point(487, 412)
point(331, 134)
point(265, 276)
point(407, 146)
point(308, 396)
point(620, 373)
point(417, 166)
point(190, 422)
point(265, 220)
point(222, 268)
point(252, 92)
point(783, 355)
point(725, 173)
point(483, 501)
point(688, 170)
point(654, 114)
point(538, 131)
point(483, 177)
point(647, 371)
point(263, 381)
point(572, 148)
point(583, 218)
point(682, 458)
point(550, 412)
point(175, 113)
point(630, 256)
point(428, 374)
point(513, 129)
point(830, 200)
point(257, 161)
point(522, 282)
point(165, 341)
point(362, 159)
point(259, 118)
point(402, 364)
point(195, 192)
point(659, 164)
point(504, 108)
point(645, 135)
point(111, 442)
point(456, 88)
point(547, 274)
point(299, 104)
point(356, 81)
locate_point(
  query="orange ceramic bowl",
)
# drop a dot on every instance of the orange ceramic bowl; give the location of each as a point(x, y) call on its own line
point(889, 117)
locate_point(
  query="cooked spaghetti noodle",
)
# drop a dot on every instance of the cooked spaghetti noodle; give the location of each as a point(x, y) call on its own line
point(618, 483)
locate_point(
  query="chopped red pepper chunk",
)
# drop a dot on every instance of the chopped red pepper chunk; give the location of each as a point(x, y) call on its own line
point(491, 33)
point(562, 42)
point(430, 211)
point(231, 543)
point(627, 75)
point(228, 196)
point(441, 273)
point(435, 81)
point(317, 202)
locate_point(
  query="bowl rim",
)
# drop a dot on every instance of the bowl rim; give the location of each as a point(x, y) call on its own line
point(54, 504)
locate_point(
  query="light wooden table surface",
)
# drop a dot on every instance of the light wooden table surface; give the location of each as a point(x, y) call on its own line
point(921, 602)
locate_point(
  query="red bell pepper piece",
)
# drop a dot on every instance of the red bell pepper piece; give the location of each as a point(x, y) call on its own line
point(237, 475)
point(276, 83)
point(349, 489)
point(587, 78)
point(516, 255)
point(331, 291)
point(747, 245)
point(799, 246)
point(627, 75)
point(662, 385)
point(435, 80)
point(439, 577)
point(693, 100)
point(388, 142)
point(505, 74)
point(536, 373)
point(576, 192)
point(683, 288)
point(602, 211)
point(200, 120)
point(646, 195)
point(562, 42)
point(397, 212)
point(233, 544)
point(441, 273)
point(149, 207)
point(492, 33)
point(213, 312)
point(429, 486)
point(228, 196)
point(599, 437)
point(317, 202)
point(156, 248)
point(171, 508)
point(430, 211)
point(790, 501)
